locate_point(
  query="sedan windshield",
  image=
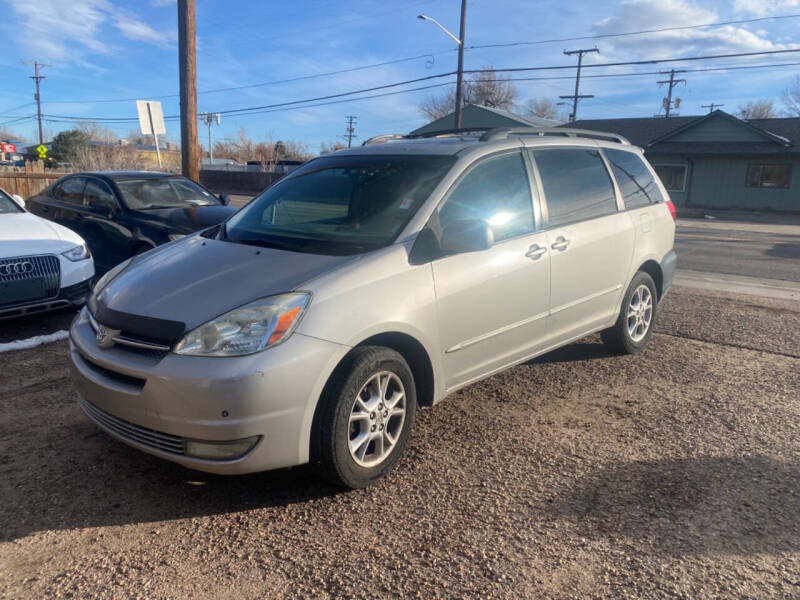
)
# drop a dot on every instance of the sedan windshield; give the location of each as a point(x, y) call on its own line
point(7, 204)
point(163, 192)
point(339, 204)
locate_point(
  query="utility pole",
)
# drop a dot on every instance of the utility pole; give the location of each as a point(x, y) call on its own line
point(460, 74)
point(209, 119)
point(37, 78)
point(577, 95)
point(711, 107)
point(672, 82)
point(187, 67)
point(349, 131)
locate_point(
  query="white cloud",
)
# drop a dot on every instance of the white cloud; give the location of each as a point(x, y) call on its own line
point(764, 8)
point(634, 15)
point(65, 29)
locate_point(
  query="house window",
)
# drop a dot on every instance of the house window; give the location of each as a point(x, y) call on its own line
point(672, 176)
point(768, 176)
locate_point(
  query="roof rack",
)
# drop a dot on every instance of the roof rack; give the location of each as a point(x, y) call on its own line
point(380, 139)
point(501, 133)
point(446, 132)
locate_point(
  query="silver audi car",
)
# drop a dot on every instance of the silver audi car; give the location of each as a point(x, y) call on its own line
point(313, 323)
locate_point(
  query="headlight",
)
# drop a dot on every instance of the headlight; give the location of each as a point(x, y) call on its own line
point(106, 279)
point(173, 237)
point(77, 253)
point(247, 329)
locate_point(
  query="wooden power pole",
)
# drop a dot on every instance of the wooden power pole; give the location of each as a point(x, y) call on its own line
point(187, 65)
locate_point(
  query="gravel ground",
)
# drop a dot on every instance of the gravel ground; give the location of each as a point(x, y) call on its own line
point(673, 473)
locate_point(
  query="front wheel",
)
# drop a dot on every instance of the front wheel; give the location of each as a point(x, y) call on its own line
point(634, 326)
point(365, 417)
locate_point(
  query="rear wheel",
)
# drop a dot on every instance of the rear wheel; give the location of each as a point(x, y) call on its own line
point(634, 326)
point(365, 417)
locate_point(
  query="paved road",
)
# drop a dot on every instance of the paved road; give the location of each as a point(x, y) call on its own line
point(747, 253)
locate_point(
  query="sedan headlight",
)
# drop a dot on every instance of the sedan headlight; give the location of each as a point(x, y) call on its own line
point(106, 279)
point(80, 252)
point(247, 329)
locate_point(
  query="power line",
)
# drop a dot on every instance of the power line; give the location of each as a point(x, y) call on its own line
point(431, 55)
point(265, 108)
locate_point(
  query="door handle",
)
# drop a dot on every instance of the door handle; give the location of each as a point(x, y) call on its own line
point(536, 252)
point(561, 243)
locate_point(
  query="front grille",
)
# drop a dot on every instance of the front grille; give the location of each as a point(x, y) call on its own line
point(139, 346)
point(26, 279)
point(129, 431)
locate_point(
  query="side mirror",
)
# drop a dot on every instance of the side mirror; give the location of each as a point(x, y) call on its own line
point(18, 199)
point(468, 235)
point(225, 199)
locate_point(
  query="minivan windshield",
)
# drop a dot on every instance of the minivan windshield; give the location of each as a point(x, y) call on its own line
point(339, 204)
point(7, 204)
point(163, 192)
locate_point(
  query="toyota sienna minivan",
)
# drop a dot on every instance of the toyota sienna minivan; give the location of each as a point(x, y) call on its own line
point(313, 323)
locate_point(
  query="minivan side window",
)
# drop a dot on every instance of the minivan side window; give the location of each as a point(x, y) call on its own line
point(576, 184)
point(70, 190)
point(97, 195)
point(497, 191)
point(635, 181)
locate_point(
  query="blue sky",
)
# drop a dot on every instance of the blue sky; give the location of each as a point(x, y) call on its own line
point(122, 50)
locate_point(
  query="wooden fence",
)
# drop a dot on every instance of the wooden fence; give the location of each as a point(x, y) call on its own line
point(29, 180)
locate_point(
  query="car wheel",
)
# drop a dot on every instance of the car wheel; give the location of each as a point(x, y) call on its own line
point(634, 326)
point(365, 417)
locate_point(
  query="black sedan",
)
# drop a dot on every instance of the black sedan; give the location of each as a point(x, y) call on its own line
point(122, 213)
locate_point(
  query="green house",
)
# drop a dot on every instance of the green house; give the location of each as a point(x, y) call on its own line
point(717, 160)
point(481, 117)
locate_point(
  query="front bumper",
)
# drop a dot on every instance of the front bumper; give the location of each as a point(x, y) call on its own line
point(73, 295)
point(157, 403)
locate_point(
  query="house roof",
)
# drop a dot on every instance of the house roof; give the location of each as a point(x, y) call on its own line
point(661, 135)
point(482, 117)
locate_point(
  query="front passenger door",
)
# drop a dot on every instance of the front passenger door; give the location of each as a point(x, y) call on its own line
point(492, 304)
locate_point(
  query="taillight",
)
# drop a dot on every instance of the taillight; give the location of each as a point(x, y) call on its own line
point(672, 212)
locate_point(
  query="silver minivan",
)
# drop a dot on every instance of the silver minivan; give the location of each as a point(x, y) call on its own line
point(312, 324)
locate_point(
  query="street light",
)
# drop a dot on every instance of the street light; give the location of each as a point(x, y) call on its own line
point(460, 41)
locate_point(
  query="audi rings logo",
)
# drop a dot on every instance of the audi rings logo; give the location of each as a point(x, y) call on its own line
point(16, 268)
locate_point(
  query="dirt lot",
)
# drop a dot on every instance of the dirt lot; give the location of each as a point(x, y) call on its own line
point(675, 473)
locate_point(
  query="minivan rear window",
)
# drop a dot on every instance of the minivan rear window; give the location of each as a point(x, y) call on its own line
point(340, 204)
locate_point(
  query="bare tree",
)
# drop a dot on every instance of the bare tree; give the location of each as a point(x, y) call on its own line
point(791, 98)
point(756, 109)
point(544, 108)
point(96, 132)
point(485, 88)
point(327, 147)
point(7, 134)
point(244, 149)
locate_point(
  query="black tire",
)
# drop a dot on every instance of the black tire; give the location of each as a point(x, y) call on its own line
point(618, 338)
point(331, 431)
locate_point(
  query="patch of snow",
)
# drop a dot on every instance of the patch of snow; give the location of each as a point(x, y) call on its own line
point(34, 341)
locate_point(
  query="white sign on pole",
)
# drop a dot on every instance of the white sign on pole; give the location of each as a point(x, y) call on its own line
point(151, 118)
point(151, 121)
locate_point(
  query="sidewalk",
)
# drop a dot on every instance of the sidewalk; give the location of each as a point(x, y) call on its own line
point(787, 223)
point(731, 225)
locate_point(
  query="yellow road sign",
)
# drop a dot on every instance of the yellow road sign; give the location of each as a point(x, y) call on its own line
point(42, 150)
